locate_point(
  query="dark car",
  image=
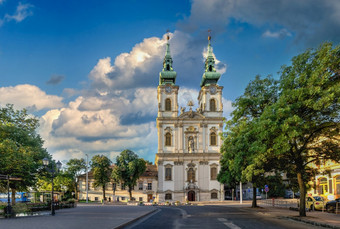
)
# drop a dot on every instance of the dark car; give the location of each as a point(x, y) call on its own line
point(331, 205)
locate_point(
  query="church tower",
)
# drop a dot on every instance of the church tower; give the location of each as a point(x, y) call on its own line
point(210, 95)
point(188, 141)
point(167, 91)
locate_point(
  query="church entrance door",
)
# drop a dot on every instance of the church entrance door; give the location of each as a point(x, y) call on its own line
point(191, 196)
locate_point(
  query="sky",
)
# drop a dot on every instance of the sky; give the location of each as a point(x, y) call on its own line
point(89, 70)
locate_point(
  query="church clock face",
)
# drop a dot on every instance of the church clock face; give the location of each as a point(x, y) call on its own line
point(212, 90)
point(168, 89)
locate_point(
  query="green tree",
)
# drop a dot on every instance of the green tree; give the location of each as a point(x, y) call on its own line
point(101, 168)
point(75, 167)
point(302, 127)
point(21, 148)
point(128, 169)
point(62, 182)
point(239, 161)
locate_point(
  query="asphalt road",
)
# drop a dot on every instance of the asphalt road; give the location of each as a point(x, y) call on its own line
point(212, 217)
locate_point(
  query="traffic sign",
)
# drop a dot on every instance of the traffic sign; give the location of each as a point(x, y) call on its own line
point(266, 188)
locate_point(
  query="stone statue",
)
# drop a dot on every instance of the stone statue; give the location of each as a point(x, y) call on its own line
point(191, 145)
point(182, 110)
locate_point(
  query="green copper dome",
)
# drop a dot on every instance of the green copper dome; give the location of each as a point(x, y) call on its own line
point(210, 76)
point(167, 75)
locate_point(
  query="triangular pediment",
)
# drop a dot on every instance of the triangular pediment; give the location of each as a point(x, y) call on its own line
point(191, 115)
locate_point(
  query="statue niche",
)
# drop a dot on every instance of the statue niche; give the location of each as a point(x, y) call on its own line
point(191, 145)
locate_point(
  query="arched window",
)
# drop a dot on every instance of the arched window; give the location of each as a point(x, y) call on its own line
point(213, 139)
point(191, 175)
point(214, 195)
point(212, 105)
point(168, 139)
point(168, 104)
point(323, 186)
point(210, 68)
point(168, 196)
point(168, 67)
point(168, 173)
point(213, 173)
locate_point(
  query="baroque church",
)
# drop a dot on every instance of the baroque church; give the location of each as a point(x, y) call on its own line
point(187, 161)
point(188, 140)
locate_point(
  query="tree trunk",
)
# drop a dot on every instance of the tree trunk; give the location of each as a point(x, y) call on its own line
point(76, 191)
point(254, 205)
point(13, 196)
point(130, 192)
point(302, 209)
point(103, 193)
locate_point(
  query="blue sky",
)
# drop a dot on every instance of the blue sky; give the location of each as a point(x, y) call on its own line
point(89, 69)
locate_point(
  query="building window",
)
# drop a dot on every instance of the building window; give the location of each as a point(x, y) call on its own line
point(214, 195)
point(168, 196)
point(149, 186)
point(213, 139)
point(323, 186)
point(168, 139)
point(123, 198)
point(140, 186)
point(191, 175)
point(213, 173)
point(96, 198)
point(168, 173)
point(122, 187)
point(140, 198)
point(212, 105)
point(168, 104)
point(337, 185)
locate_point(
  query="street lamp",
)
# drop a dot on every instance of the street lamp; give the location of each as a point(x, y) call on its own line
point(46, 161)
point(87, 179)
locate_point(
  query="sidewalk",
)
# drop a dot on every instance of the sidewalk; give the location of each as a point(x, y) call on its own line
point(317, 218)
point(84, 216)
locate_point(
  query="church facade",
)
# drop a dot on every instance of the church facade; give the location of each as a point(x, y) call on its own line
point(188, 140)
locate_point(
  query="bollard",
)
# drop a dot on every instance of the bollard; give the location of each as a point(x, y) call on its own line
point(273, 202)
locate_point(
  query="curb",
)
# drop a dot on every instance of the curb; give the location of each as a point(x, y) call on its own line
point(311, 222)
point(134, 220)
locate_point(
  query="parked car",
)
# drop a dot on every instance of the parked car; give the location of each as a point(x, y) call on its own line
point(331, 205)
point(316, 202)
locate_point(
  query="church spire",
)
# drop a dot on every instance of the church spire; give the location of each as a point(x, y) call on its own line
point(167, 75)
point(210, 76)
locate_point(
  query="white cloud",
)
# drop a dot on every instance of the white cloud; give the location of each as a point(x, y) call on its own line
point(23, 11)
point(30, 97)
point(129, 69)
point(278, 34)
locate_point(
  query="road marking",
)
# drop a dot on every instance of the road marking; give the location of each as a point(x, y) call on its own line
point(228, 223)
point(184, 213)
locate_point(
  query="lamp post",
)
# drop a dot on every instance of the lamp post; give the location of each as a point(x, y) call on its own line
point(87, 179)
point(46, 161)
